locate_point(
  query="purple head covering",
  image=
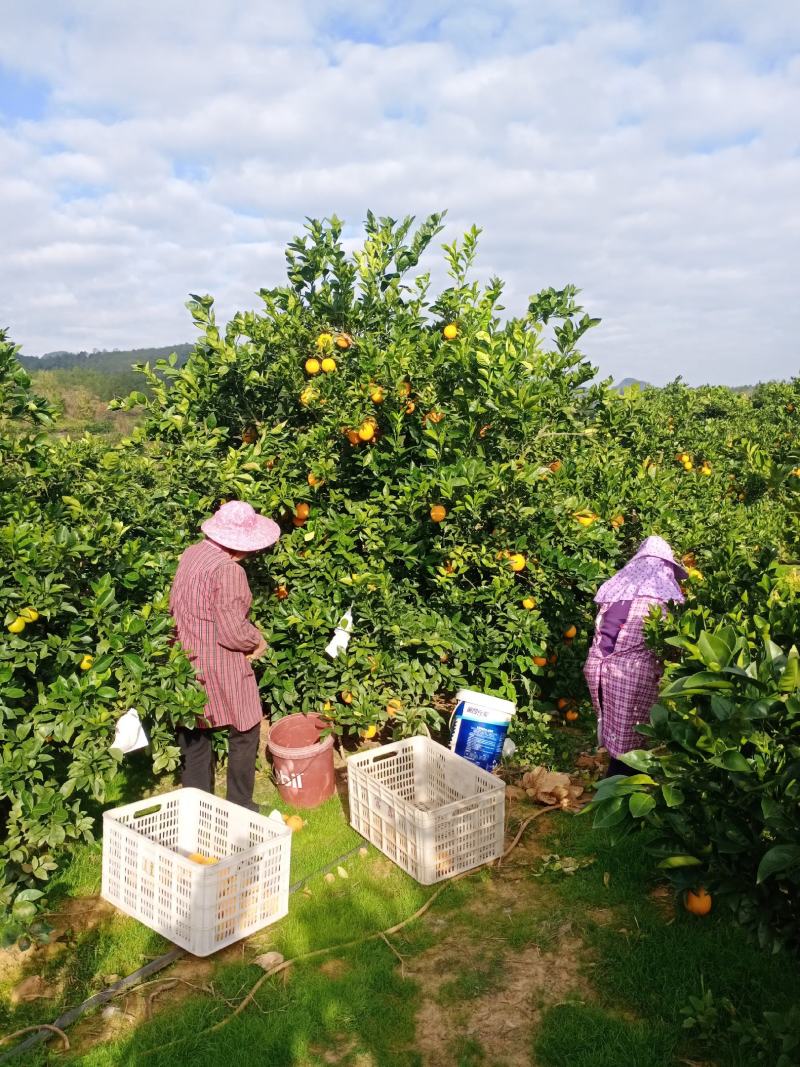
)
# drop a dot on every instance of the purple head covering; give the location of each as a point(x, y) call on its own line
point(652, 572)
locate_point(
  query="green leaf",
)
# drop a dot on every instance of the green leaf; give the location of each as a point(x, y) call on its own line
point(640, 804)
point(734, 761)
point(683, 860)
point(610, 813)
point(777, 859)
point(673, 795)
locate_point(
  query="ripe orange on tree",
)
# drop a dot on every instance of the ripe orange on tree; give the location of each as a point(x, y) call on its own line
point(343, 340)
point(540, 661)
point(313, 365)
point(313, 480)
point(281, 592)
point(328, 365)
point(572, 715)
point(617, 521)
point(529, 603)
point(516, 562)
point(438, 513)
point(570, 632)
point(393, 707)
point(366, 431)
point(555, 465)
point(378, 395)
point(347, 697)
point(698, 902)
point(410, 407)
point(450, 331)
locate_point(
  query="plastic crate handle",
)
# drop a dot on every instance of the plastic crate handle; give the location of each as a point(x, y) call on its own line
point(152, 810)
point(381, 756)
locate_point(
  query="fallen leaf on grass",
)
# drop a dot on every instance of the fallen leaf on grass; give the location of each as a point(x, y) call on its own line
point(267, 960)
point(342, 872)
point(33, 987)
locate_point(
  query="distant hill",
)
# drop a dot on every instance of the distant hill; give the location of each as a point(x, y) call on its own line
point(626, 383)
point(105, 362)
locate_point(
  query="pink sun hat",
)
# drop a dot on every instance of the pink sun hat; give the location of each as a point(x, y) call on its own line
point(237, 525)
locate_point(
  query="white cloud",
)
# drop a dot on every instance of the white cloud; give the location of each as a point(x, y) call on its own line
point(648, 152)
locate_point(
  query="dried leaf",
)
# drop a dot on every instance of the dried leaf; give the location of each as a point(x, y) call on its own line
point(342, 872)
point(267, 960)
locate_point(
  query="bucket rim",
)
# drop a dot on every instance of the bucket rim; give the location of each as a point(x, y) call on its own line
point(322, 744)
point(506, 707)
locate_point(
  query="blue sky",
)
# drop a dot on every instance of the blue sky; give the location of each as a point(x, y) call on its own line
point(647, 151)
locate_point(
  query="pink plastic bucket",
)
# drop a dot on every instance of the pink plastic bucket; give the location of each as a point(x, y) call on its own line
point(302, 761)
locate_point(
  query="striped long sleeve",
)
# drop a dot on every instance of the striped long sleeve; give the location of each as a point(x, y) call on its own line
point(231, 605)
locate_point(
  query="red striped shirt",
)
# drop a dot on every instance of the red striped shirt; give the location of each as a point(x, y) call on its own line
point(209, 601)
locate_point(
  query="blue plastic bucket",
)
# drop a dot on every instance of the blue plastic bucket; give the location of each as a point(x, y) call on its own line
point(480, 725)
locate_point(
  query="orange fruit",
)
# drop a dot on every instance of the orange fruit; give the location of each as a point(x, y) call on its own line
point(529, 603)
point(294, 822)
point(297, 521)
point(370, 731)
point(410, 406)
point(377, 396)
point(313, 479)
point(206, 861)
point(570, 632)
point(313, 365)
point(450, 331)
point(86, 663)
point(553, 659)
point(343, 341)
point(281, 592)
point(366, 431)
point(540, 661)
point(18, 625)
point(790, 408)
point(438, 513)
point(435, 416)
point(352, 437)
point(571, 715)
point(698, 903)
point(617, 521)
point(555, 465)
point(393, 707)
point(516, 562)
point(347, 697)
point(302, 511)
point(328, 365)
point(562, 703)
point(29, 614)
point(404, 389)
point(586, 518)
point(484, 430)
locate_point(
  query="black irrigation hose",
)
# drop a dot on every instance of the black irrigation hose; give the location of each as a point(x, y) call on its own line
point(153, 967)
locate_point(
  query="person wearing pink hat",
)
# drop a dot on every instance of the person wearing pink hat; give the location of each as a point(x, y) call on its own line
point(209, 602)
point(622, 673)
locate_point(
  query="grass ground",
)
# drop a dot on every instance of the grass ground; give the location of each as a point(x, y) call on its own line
point(507, 968)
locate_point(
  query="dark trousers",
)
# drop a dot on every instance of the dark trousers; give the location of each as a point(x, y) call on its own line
point(616, 766)
point(197, 762)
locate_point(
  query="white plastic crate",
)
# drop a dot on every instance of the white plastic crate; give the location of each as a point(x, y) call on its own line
point(147, 872)
point(432, 812)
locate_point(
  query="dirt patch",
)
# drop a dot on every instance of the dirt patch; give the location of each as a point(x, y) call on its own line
point(334, 968)
point(503, 1018)
point(663, 897)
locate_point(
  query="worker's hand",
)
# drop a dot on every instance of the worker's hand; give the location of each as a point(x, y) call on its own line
point(258, 651)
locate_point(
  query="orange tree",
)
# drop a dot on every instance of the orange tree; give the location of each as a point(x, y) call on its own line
point(82, 600)
point(460, 479)
point(409, 444)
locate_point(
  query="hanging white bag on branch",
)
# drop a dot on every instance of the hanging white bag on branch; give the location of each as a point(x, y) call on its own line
point(341, 635)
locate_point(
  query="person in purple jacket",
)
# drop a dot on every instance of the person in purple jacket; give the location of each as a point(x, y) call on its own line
point(622, 673)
